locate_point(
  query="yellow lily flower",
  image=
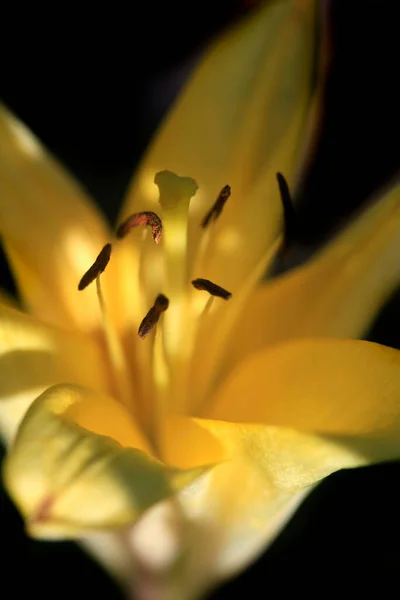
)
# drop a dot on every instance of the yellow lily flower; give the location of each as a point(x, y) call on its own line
point(178, 457)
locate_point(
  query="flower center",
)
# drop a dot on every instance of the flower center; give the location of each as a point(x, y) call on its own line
point(180, 315)
point(172, 322)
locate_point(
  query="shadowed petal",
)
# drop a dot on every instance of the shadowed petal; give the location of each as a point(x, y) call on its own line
point(69, 474)
point(7, 299)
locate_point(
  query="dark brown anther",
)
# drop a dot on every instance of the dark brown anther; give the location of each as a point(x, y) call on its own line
point(216, 209)
point(160, 305)
point(211, 288)
point(161, 302)
point(97, 267)
point(289, 215)
point(142, 218)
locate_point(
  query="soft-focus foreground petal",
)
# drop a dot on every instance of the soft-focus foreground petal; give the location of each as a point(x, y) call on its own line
point(7, 299)
point(344, 388)
point(337, 294)
point(237, 509)
point(34, 356)
point(79, 463)
point(242, 116)
point(50, 230)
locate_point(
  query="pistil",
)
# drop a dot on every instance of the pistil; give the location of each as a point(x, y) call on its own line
point(175, 195)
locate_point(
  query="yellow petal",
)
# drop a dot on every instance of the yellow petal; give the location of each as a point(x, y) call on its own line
point(241, 118)
point(344, 388)
point(237, 509)
point(337, 294)
point(51, 231)
point(67, 479)
point(34, 356)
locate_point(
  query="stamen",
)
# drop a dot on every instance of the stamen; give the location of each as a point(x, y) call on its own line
point(139, 219)
point(211, 288)
point(160, 305)
point(113, 343)
point(221, 328)
point(289, 215)
point(97, 268)
point(216, 209)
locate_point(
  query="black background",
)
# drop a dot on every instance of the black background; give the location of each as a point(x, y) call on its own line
point(94, 94)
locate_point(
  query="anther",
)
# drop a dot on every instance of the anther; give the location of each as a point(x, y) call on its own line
point(216, 209)
point(289, 215)
point(142, 218)
point(211, 288)
point(97, 267)
point(160, 305)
